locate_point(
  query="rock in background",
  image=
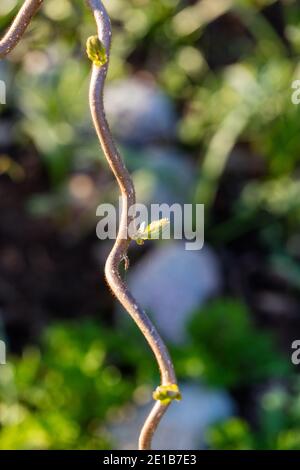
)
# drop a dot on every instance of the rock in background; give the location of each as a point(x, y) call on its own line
point(171, 282)
point(139, 112)
point(164, 175)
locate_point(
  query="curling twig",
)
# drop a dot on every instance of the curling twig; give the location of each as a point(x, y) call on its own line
point(120, 248)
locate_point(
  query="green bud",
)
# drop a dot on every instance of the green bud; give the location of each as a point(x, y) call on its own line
point(96, 51)
point(167, 393)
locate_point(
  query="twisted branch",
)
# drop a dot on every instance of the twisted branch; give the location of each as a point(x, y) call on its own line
point(120, 248)
point(121, 245)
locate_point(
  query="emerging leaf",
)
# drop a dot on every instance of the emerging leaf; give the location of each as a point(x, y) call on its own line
point(96, 51)
point(152, 231)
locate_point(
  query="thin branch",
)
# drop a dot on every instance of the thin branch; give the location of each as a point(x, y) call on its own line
point(151, 424)
point(120, 248)
point(18, 26)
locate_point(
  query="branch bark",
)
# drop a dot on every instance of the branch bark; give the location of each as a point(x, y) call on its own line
point(18, 26)
point(120, 248)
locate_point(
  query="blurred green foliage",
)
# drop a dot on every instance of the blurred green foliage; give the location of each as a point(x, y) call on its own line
point(227, 350)
point(245, 97)
point(240, 94)
point(62, 394)
point(82, 376)
point(167, 36)
point(278, 427)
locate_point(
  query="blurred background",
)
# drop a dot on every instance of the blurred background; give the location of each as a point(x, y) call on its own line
point(199, 100)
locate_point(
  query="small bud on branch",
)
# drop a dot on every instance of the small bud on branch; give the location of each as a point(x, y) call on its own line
point(167, 393)
point(96, 51)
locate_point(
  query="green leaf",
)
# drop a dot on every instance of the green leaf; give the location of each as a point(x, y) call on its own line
point(152, 231)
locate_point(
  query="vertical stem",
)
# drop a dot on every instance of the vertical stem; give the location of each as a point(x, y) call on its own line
point(120, 248)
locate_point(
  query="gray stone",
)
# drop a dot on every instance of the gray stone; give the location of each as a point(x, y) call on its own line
point(6, 132)
point(184, 425)
point(171, 282)
point(139, 112)
point(164, 175)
